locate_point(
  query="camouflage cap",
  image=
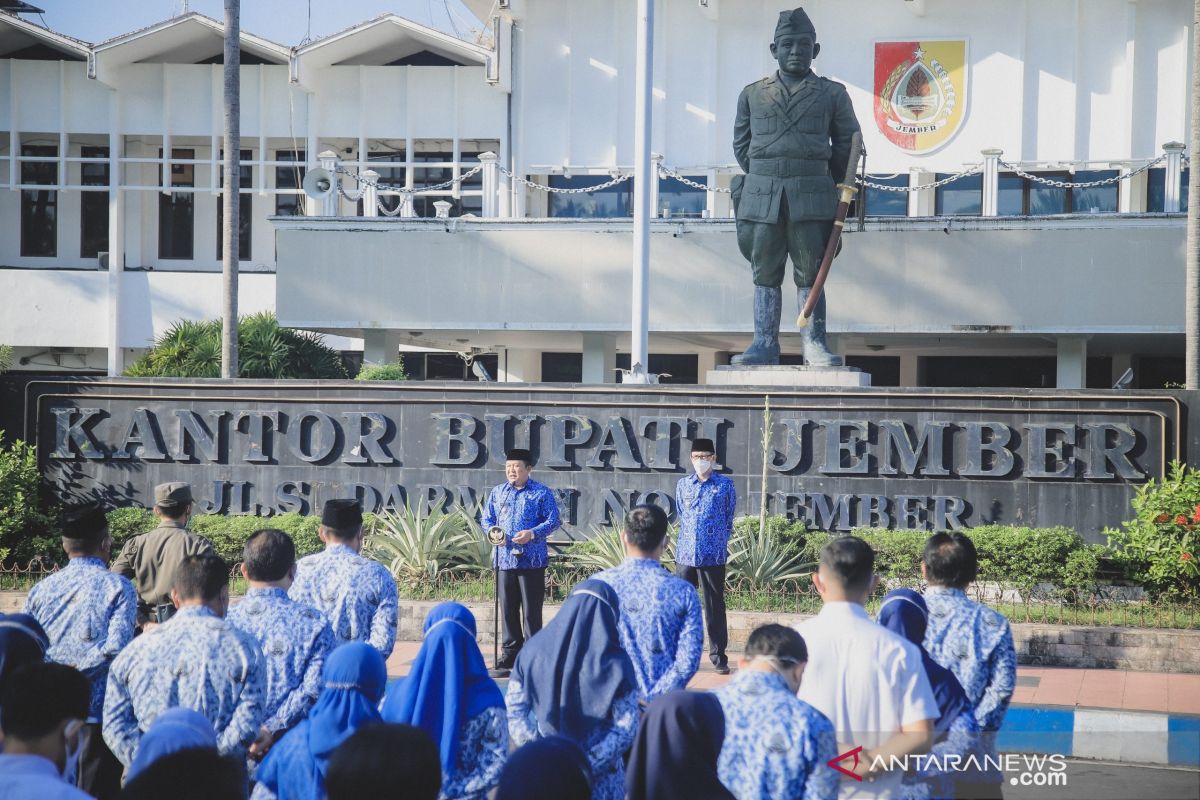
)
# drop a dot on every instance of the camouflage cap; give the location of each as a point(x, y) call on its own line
point(171, 494)
point(794, 22)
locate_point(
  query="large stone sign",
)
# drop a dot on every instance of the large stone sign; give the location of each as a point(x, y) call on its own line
point(912, 459)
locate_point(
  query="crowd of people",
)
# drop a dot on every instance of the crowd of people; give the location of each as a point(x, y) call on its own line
point(162, 689)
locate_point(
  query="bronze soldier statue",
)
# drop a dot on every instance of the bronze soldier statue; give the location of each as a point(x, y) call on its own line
point(791, 137)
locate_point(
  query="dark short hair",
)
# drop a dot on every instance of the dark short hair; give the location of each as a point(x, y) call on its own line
point(777, 641)
point(950, 559)
point(850, 561)
point(378, 758)
point(342, 534)
point(268, 555)
point(37, 697)
point(646, 526)
point(201, 577)
point(197, 773)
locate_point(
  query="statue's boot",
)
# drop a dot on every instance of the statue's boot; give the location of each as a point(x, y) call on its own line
point(768, 306)
point(812, 335)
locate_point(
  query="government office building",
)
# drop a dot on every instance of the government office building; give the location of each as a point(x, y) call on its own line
point(1007, 275)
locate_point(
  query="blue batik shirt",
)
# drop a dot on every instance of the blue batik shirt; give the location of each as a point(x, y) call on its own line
point(605, 747)
point(482, 751)
point(936, 775)
point(357, 595)
point(531, 508)
point(196, 660)
point(294, 639)
point(776, 745)
point(705, 511)
point(89, 615)
point(975, 643)
point(660, 624)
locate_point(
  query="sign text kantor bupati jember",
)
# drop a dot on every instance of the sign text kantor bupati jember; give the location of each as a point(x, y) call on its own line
point(884, 458)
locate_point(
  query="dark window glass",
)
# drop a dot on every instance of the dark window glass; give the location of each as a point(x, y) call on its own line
point(1099, 372)
point(176, 230)
point(1184, 177)
point(445, 367)
point(290, 205)
point(885, 204)
point(615, 201)
point(1034, 372)
point(682, 367)
point(1155, 372)
point(414, 365)
point(93, 206)
point(1095, 199)
point(562, 367)
point(884, 370)
point(39, 207)
point(676, 199)
point(1010, 201)
point(963, 197)
point(1156, 189)
point(245, 216)
point(425, 177)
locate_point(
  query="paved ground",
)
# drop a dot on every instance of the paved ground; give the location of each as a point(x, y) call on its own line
point(1093, 780)
point(1041, 686)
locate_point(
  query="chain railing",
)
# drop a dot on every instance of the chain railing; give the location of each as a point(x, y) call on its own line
point(924, 186)
point(617, 179)
point(406, 194)
point(667, 172)
point(1083, 184)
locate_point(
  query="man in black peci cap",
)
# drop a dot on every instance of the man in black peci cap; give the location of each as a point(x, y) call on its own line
point(528, 513)
point(357, 595)
point(150, 559)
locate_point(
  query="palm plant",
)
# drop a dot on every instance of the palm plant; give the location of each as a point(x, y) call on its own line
point(604, 549)
point(417, 545)
point(761, 557)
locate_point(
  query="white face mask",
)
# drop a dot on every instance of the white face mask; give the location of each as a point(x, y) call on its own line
point(703, 466)
point(71, 735)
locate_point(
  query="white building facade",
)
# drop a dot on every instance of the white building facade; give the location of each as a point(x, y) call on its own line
point(996, 278)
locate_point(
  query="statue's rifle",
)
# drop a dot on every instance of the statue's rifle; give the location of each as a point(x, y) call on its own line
point(848, 189)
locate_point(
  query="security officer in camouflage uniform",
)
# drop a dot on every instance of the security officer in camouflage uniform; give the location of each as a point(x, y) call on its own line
point(792, 138)
point(149, 559)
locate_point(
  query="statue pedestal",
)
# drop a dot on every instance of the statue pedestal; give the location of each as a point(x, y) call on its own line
point(794, 377)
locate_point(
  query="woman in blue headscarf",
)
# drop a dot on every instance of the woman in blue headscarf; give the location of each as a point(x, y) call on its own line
point(172, 731)
point(677, 747)
point(551, 768)
point(355, 676)
point(904, 612)
point(22, 641)
point(573, 679)
point(449, 694)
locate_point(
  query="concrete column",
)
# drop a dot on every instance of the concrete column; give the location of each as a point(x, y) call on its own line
point(491, 184)
point(518, 366)
point(708, 360)
point(991, 181)
point(1072, 362)
point(599, 358)
point(330, 202)
point(370, 193)
point(381, 346)
point(910, 369)
point(1173, 188)
point(116, 239)
point(924, 202)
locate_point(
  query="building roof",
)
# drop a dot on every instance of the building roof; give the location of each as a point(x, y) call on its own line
point(191, 38)
point(385, 40)
point(20, 38)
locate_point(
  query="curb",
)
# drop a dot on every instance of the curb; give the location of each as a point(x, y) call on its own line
point(1134, 737)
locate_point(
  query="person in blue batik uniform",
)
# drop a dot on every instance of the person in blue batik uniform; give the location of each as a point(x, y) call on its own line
point(449, 694)
point(971, 640)
point(528, 513)
point(661, 629)
point(295, 638)
point(41, 716)
point(357, 595)
point(705, 503)
point(956, 733)
point(776, 745)
point(575, 680)
point(89, 615)
point(197, 660)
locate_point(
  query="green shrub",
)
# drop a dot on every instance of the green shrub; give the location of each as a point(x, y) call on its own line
point(129, 521)
point(416, 545)
point(1160, 547)
point(26, 532)
point(6, 356)
point(382, 372)
point(762, 558)
point(229, 534)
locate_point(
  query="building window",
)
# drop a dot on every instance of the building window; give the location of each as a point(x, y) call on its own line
point(615, 201)
point(963, 197)
point(1095, 199)
point(176, 210)
point(1020, 196)
point(670, 367)
point(880, 203)
point(1156, 190)
point(290, 177)
point(433, 167)
point(562, 367)
point(39, 207)
point(390, 166)
point(93, 206)
point(245, 216)
point(677, 199)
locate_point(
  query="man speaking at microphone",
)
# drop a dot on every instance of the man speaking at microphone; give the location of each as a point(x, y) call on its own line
point(528, 513)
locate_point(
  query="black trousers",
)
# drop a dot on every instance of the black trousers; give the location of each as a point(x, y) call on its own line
point(99, 770)
point(713, 581)
point(520, 590)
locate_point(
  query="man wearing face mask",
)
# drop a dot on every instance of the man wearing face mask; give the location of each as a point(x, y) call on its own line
point(776, 745)
point(197, 660)
point(42, 711)
point(705, 502)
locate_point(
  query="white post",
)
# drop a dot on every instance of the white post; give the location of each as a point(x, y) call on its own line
point(329, 203)
point(645, 177)
point(656, 160)
point(1173, 187)
point(441, 209)
point(1072, 362)
point(370, 193)
point(116, 238)
point(991, 181)
point(491, 183)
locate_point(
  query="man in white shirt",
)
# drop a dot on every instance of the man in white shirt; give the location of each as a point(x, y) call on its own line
point(41, 713)
point(867, 680)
